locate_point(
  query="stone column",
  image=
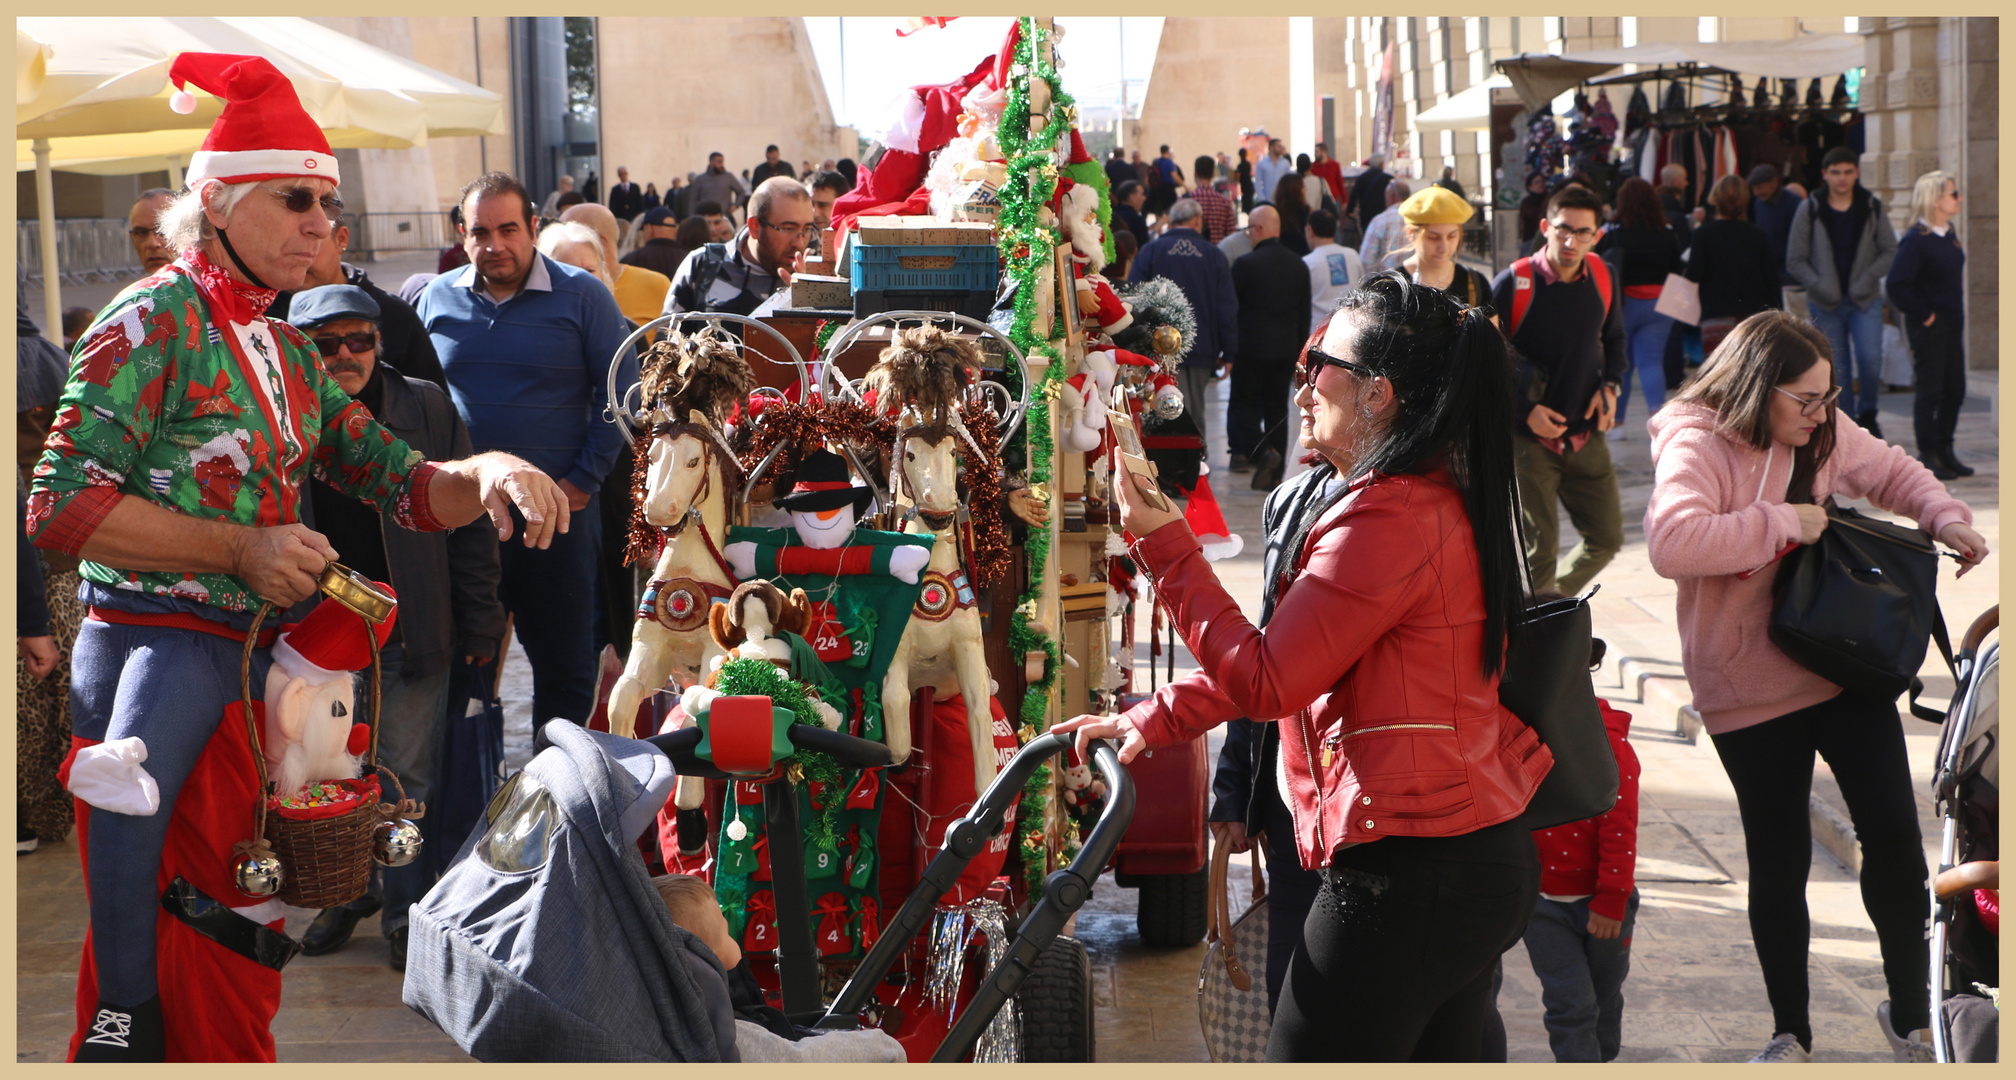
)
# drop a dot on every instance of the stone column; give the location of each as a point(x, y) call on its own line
point(1929, 100)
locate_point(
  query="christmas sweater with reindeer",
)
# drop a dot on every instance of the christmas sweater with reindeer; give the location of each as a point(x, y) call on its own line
point(184, 394)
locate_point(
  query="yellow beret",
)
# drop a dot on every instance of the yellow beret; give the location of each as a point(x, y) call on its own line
point(1436, 206)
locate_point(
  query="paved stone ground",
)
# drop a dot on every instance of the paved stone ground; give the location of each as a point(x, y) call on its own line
point(1694, 993)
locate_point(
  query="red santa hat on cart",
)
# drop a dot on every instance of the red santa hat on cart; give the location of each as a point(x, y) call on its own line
point(329, 644)
point(1207, 521)
point(264, 133)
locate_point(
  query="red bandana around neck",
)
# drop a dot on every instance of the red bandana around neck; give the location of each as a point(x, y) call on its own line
point(235, 300)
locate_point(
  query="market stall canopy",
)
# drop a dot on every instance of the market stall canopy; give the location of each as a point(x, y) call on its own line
point(1468, 110)
point(31, 67)
point(1541, 78)
point(104, 103)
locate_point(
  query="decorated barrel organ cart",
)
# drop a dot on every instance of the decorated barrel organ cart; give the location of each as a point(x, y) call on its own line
point(879, 507)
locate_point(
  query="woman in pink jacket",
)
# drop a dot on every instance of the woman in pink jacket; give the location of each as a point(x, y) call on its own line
point(1402, 773)
point(1744, 455)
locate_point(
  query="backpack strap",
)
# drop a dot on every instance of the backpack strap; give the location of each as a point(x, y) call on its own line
point(712, 257)
point(1522, 291)
point(1522, 286)
point(1599, 270)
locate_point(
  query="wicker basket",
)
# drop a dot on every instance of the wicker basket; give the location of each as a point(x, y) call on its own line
point(326, 861)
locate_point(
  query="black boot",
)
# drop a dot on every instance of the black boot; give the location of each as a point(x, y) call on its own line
point(1867, 418)
point(119, 1033)
point(331, 930)
point(1954, 464)
point(1932, 460)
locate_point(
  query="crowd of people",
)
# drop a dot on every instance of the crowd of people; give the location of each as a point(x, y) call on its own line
point(447, 440)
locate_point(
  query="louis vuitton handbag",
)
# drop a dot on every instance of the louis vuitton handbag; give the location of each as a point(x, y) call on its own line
point(1232, 987)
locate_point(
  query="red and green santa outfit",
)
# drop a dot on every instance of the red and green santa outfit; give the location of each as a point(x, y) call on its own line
point(184, 394)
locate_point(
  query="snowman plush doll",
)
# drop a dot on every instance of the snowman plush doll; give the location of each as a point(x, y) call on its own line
point(312, 730)
point(825, 505)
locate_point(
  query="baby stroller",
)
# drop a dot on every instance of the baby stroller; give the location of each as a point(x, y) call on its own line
point(545, 940)
point(1966, 783)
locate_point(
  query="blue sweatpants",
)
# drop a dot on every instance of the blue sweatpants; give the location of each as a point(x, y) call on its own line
point(168, 687)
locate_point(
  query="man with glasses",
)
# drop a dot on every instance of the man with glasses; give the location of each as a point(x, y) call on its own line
point(446, 581)
point(1566, 325)
point(174, 471)
point(141, 227)
point(738, 276)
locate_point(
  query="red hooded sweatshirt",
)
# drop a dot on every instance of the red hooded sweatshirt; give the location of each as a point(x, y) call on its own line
point(1596, 857)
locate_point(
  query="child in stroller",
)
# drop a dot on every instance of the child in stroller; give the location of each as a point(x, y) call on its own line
point(762, 1032)
point(1966, 973)
point(546, 939)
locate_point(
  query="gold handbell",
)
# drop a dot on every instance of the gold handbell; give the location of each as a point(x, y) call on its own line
point(1167, 340)
point(356, 592)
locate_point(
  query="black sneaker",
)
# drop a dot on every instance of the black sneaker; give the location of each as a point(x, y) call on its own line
point(397, 943)
point(1240, 463)
point(25, 840)
point(1933, 462)
point(331, 930)
point(1867, 418)
point(120, 1033)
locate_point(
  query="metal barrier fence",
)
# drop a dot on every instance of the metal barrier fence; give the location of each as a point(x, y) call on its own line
point(380, 232)
point(87, 249)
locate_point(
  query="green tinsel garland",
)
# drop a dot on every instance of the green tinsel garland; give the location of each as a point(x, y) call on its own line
point(1032, 179)
point(760, 678)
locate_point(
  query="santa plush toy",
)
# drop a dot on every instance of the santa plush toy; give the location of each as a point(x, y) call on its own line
point(313, 731)
point(1075, 210)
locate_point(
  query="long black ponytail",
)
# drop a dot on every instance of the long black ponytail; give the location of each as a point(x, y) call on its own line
point(1452, 373)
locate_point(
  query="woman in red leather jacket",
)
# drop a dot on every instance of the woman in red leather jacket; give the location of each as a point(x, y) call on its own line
point(1403, 774)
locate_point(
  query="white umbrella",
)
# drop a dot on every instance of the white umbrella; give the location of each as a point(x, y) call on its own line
point(103, 103)
point(1466, 110)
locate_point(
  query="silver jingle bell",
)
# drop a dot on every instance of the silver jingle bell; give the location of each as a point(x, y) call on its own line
point(258, 875)
point(396, 843)
point(1169, 406)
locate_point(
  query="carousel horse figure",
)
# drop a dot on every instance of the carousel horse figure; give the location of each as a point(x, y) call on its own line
point(683, 510)
point(941, 646)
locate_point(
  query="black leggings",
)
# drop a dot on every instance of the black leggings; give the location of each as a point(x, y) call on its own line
point(1396, 956)
point(1771, 766)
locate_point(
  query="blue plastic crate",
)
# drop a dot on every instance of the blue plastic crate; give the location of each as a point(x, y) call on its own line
point(926, 267)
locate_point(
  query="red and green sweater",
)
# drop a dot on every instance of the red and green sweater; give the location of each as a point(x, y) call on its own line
point(184, 394)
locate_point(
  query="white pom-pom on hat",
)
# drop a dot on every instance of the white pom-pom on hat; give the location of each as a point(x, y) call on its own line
point(182, 101)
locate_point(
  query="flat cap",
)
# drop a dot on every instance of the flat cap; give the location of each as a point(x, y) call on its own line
point(328, 303)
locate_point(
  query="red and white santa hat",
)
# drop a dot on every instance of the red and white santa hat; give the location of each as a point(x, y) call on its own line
point(1078, 154)
point(329, 644)
point(1207, 521)
point(264, 133)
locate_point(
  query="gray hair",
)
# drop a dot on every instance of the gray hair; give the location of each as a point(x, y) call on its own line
point(1398, 189)
point(777, 187)
point(1185, 210)
point(184, 224)
point(561, 233)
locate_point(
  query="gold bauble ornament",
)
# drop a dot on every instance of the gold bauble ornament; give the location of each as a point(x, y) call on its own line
point(1167, 340)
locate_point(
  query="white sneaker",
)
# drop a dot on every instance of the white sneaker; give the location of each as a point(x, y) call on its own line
point(1917, 1049)
point(1783, 1048)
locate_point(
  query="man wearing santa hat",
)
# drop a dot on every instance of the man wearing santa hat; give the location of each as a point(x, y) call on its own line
point(174, 471)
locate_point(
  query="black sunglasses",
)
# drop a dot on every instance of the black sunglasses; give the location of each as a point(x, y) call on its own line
point(301, 200)
point(358, 343)
point(1314, 360)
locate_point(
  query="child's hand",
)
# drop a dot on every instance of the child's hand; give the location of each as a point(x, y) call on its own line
point(1605, 927)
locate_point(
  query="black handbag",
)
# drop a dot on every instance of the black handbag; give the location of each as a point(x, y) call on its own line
point(1547, 685)
point(1858, 606)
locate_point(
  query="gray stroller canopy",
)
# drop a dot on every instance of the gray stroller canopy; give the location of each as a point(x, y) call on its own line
point(545, 940)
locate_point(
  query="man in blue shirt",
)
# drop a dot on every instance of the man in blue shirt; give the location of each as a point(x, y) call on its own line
point(1267, 173)
point(1198, 268)
point(526, 343)
point(1771, 209)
